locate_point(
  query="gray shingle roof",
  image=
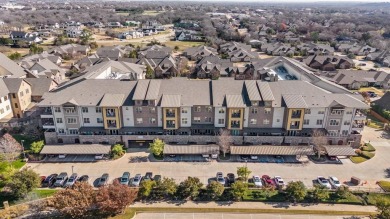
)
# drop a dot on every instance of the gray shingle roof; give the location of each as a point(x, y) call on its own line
point(13, 84)
point(171, 100)
point(265, 91)
point(92, 149)
point(39, 85)
point(191, 149)
point(112, 100)
point(141, 89)
point(11, 69)
point(3, 88)
point(271, 150)
point(252, 90)
point(235, 101)
point(294, 101)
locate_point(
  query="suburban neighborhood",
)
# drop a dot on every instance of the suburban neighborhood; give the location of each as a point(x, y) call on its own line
point(116, 109)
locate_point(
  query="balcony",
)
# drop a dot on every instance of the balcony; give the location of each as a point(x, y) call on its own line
point(236, 115)
point(360, 115)
point(111, 123)
point(170, 124)
point(296, 115)
point(294, 126)
point(47, 111)
point(47, 122)
point(235, 125)
point(170, 115)
point(110, 113)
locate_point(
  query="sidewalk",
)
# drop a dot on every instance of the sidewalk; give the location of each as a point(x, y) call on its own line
point(258, 205)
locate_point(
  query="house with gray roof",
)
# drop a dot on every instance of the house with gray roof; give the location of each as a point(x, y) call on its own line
point(44, 68)
point(383, 102)
point(197, 53)
point(70, 50)
point(329, 63)
point(9, 68)
point(113, 52)
point(356, 79)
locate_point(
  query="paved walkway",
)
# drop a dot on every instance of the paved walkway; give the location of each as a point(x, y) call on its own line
point(259, 205)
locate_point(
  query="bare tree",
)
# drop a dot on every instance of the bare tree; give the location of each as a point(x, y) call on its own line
point(319, 140)
point(225, 140)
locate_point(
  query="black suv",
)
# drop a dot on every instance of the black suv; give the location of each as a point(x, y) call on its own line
point(49, 181)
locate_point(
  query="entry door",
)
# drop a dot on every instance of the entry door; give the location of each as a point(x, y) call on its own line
point(113, 132)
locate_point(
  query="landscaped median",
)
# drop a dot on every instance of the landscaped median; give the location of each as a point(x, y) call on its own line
point(366, 152)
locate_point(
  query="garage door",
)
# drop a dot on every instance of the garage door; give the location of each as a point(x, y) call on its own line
point(139, 144)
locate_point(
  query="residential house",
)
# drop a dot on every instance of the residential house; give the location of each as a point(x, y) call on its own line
point(85, 62)
point(28, 61)
point(152, 51)
point(29, 38)
point(184, 112)
point(44, 68)
point(152, 24)
point(70, 50)
point(278, 49)
point(355, 48)
point(238, 52)
point(5, 102)
point(9, 68)
point(189, 35)
point(114, 25)
point(213, 67)
point(356, 79)
point(131, 35)
point(329, 63)
point(383, 102)
point(197, 53)
point(113, 52)
point(321, 49)
point(73, 31)
point(381, 57)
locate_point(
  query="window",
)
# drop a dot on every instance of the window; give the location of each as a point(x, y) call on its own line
point(319, 122)
point(151, 102)
point(267, 110)
point(184, 121)
point(57, 109)
point(99, 120)
point(321, 112)
point(70, 110)
point(254, 110)
point(196, 119)
point(27, 91)
point(254, 103)
point(253, 121)
point(13, 96)
point(72, 120)
point(73, 131)
point(307, 111)
point(59, 120)
point(207, 119)
point(138, 102)
point(209, 109)
point(152, 110)
point(1, 111)
point(277, 120)
point(265, 121)
point(222, 110)
point(333, 133)
point(98, 110)
point(221, 121)
point(7, 107)
point(152, 120)
point(347, 123)
point(348, 112)
point(306, 122)
point(344, 132)
point(21, 93)
point(183, 110)
point(61, 131)
point(267, 103)
point(16, 105)
point(337, 112)
point(139, 121)
point(138, 109)
point(334, 122)
point(86, 120)
point(127, 108)
point(5, 98)
point(84, 109)
point(197, 109)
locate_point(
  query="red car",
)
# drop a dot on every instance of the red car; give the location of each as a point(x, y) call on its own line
point(268, 180)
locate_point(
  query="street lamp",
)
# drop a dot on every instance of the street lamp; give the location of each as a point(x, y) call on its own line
point(72, 169)
point(246, 171)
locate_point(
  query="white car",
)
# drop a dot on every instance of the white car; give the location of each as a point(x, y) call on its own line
point(136, 180)
point(279, 181)
point(334, 182)
point(220, 178)
point(254, 157)
point(324, 182)
point(257, 181)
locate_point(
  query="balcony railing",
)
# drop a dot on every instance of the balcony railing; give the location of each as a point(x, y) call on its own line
point(296, 115)
point(48, 124)
point(236, 115)
point(170, 114)
point(235, 125)
point(170, 125)
point(294, 126)
point(47, 111)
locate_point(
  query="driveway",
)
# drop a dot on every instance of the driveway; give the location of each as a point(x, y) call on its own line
point(139, 162)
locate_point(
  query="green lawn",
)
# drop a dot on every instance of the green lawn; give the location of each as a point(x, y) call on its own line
point(373, 196)
point(44, 193)
point(368, 147)
point(263, 195)
point(385, 185)
point(17, 164)
point(358, 159)
point(27, 141)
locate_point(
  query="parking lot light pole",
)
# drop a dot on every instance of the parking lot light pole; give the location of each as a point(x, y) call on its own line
point(72, 169)
point(246, 171)
point(24, 153)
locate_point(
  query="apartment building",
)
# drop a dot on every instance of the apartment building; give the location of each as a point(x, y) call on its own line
point(182, 111)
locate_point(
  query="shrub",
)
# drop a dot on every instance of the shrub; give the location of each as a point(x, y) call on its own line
point(368, 147)
point(367, 155)
point(385, 185)
point(117, 151)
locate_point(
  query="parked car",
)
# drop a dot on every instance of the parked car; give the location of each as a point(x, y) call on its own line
point(334, 182)
point(157, 178)
point(61, 179)
point(324, 182)
point(279, 181)
point(125, 179)
point(103, 180)
point(231, 178)
point(136, 180)
point(244, 157)
point(268, 180)
point(61, 156)
point(72, 179)
point(372, 94)
point(49, 180)
point(220, 178)
point(257, 181)
point(148, 176)
point(83, 178)
point(99, 157)
point(42, 179)
point(254, 157)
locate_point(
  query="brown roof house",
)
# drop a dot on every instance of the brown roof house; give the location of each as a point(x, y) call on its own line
point(352, 79)
point(329, 63)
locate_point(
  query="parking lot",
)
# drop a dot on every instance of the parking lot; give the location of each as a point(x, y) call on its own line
point(70, 159)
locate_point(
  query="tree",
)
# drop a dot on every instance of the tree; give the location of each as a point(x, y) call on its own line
point(165, 187)
point(243, 173)
point(366, 96)
point(319, 140)
point(114, 198)
point(75, 202)
point(366, 36)
point(93, 45)
point(85, 36)
point(383, 207)
point(149, 72)
point(314, 36)
point(214, 190)
point(296, 191)
point(23, 182)
point(133, 54)
point(146, 188)
point(117, 151)
point(238, 190)
point(21, 44)
point(189, 188)
point(157, 147)
point(35, 49)
point(319, 193)
point(176, 48)
point(15, 56)
point(224, 141)
point(37, 146)
point(343, 192)
point(5, 41)
point(6, 171)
